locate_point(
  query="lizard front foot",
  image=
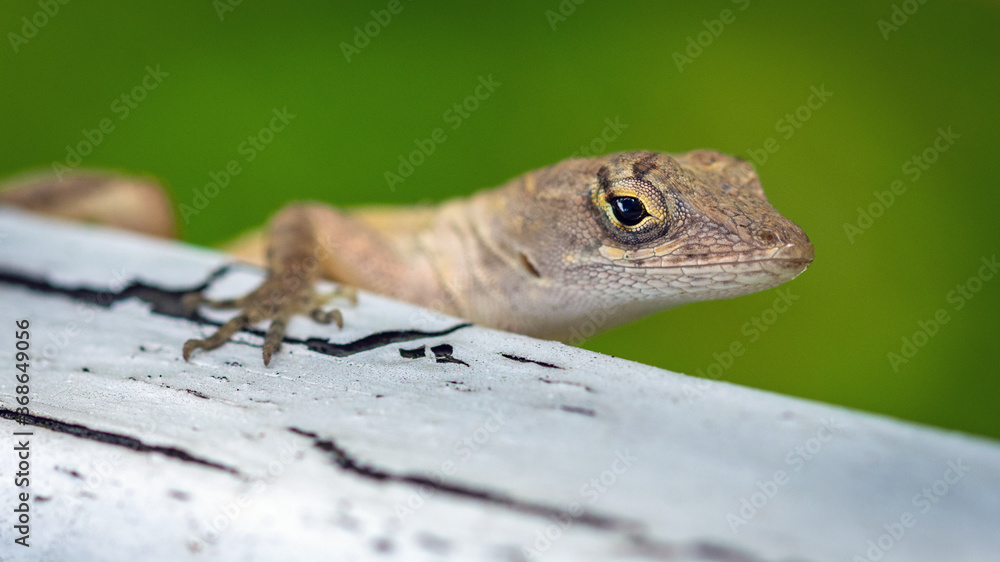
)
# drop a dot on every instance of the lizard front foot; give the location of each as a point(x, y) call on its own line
point(277, 299)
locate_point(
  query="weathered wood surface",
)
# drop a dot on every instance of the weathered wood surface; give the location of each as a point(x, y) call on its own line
point(517, 449)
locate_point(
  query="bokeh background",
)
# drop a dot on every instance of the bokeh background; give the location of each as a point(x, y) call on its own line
point(564, 69)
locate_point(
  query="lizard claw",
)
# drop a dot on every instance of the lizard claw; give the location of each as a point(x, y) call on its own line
point(321, 316)
point(277, 300)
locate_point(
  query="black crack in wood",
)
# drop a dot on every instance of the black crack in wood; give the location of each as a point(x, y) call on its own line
point(633, 530)
point(695, 550)
point(163, 301)
point(196, 393)
point(373, 341)
point(345, 461)
point(415, 353)
point(69, 471)
point(578, 410)
point(168, 302)
point(459, 386)
point(570, 383)
point(526, 360)
point(443, 354)
point(109, 438)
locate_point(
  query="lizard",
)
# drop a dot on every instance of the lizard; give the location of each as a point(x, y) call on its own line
point(610, 238)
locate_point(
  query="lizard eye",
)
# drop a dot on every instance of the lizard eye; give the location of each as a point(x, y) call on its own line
point(628, 210)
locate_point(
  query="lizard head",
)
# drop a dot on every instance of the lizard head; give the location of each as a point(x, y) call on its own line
point(651, 231)
point(696, 226)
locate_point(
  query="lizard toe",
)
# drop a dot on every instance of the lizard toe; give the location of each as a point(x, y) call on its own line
point(273, 300)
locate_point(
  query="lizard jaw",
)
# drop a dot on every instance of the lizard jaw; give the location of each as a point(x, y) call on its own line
point(678, 280)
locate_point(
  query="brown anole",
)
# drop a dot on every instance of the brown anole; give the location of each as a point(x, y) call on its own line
point(615, 237)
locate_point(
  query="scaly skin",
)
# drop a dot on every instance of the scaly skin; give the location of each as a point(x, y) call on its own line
point(544, 254)
point(563, 252)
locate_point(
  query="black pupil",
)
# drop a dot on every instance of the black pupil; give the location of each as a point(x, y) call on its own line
point(628, 210)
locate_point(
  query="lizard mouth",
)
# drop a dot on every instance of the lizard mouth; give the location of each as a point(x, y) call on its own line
point(799, 253)
point(720, 274)
point(797, 257)
point(789, 255)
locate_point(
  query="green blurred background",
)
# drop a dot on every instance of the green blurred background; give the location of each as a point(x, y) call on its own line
point(603, 60)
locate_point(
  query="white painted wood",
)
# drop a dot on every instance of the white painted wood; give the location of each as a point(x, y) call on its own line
point(661, 465)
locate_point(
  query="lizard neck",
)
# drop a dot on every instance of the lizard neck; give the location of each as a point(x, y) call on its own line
point(485, 252)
